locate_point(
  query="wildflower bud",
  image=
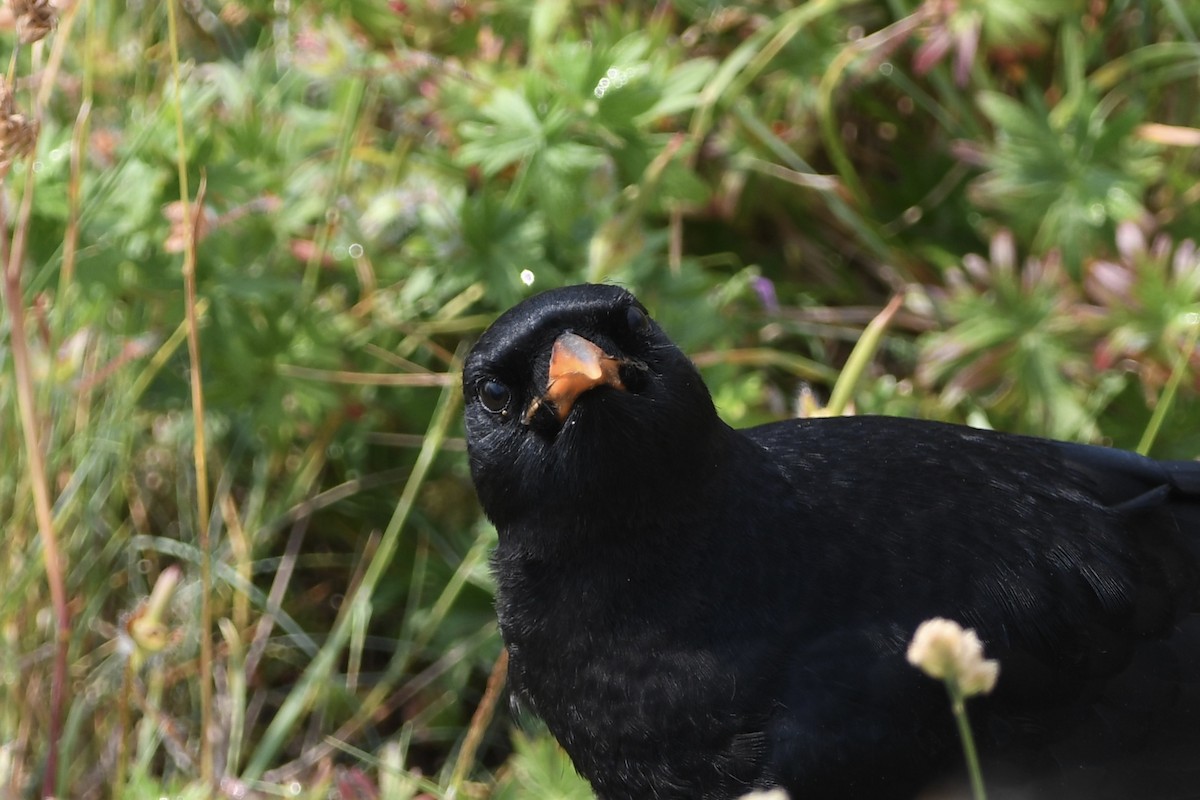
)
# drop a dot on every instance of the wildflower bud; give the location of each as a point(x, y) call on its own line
point(177, 237)
point(942, 649)
point(146, 627)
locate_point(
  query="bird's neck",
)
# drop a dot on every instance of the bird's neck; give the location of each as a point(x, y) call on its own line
point(627, 566)
point(616, 508)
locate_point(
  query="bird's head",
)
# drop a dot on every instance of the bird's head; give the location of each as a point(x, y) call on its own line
point(577, 402)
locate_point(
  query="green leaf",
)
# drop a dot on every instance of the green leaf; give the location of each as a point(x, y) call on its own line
point(540, 770)
point(679, 184)
point(681, 90)
point(1064, 177)
point(545, 24)
point(514, 134)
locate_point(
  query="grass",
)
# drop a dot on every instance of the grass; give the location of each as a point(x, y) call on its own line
point(244, 248)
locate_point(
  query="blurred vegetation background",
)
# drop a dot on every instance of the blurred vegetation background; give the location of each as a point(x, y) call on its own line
point(245, 244)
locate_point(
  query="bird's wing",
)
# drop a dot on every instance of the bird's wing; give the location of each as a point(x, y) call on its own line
point(1063, 556)
point(1127, 481)
point(1044, 547)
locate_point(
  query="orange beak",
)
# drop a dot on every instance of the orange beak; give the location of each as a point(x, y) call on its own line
point(576, 365)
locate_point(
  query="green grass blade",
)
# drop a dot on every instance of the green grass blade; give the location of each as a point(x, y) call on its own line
point(302, 696)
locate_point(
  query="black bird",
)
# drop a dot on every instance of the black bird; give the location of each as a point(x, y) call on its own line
point(697, 611)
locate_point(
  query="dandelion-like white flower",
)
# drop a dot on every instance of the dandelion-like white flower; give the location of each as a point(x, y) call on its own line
point(943, 649)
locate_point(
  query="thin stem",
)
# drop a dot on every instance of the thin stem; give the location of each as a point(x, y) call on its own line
point(319, 670)
point(74, 193)
point(55, 560)
point(959, 707)
point(199, 449)
point(860, 357)
point(479, 722)
point(1167, 399)
point(121, 769)
point(348, 131)
point(13, 256)
point(880, 41)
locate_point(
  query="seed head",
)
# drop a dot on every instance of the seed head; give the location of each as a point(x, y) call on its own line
point(18, 133)
point(35, 19)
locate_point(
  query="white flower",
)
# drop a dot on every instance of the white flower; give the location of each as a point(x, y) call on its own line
point(942, 649)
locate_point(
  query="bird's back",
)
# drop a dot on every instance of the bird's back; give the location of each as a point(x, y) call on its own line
point(1078, 566)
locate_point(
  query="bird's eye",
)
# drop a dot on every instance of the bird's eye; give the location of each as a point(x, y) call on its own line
point(494, 396)
point(637, 320)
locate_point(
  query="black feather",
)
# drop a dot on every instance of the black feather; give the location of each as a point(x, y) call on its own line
point(697, 611)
